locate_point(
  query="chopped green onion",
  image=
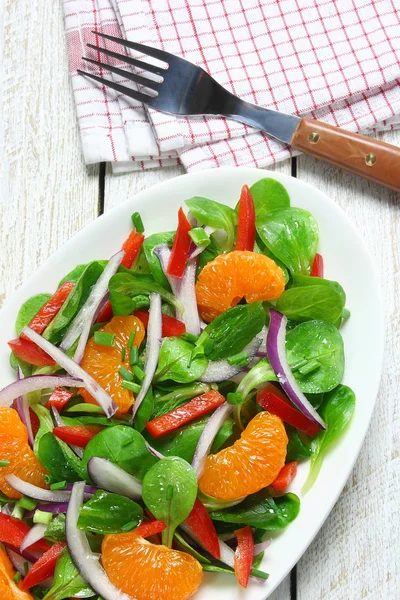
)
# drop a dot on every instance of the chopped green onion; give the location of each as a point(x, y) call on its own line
point(131, 339)
point(199, 237)
point(189, 337)
point(125, 374)
point(17, 577)
point(345, 314)
point(126, 442)
point(133, 355)
point(309, 367)
point(26, 568)
point(197, 351)
point(241, 359)
point(137, 222)
point(4, 463)
point(60, 485)
point(49, 479)
point(123, 352)
point(26, 503)
point(234, 398)
point(103, 338)
point(129, 385)
point(18, 512)
point(129, 526)
point(138, 372)
point(42, 517)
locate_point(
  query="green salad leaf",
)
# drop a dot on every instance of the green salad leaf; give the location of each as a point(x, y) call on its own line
point(262, 511)
point(109, 513)
point(183, 441)
point(292, 236)
point(169, 492)
point(149, 244)
point(55, 531)
point(315, 353)
point(29, 309)
point(74, 302)
point(67, 581)
point(299, 280)
point(176, 362)
point(145, 411)
point(311, 302)
point(167, 402)
point(337, 410)
point(219, 569)
point(214, 214)
point(123, 446)
point(297, 449)
point(232, 331)
point(268, 195)
point(125, 286)
point(57, 459)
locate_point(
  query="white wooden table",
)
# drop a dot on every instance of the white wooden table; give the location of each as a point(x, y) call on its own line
point(47, 194)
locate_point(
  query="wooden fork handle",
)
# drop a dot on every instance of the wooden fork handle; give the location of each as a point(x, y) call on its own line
point(368, 157)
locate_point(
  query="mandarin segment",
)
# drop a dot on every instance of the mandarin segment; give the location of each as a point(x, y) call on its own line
point(148, 571)
point(251, 464)
point(228, 278)
point(8, 589)
point(15, 448)
point(104, 362)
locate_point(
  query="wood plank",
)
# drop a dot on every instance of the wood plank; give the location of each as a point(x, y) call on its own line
point(46, 193)
point(356, 554)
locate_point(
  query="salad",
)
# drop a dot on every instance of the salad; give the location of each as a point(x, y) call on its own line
point(163, 400)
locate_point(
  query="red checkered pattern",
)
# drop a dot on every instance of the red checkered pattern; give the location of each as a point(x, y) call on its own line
point(335, 60)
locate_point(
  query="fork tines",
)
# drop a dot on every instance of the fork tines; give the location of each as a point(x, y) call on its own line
point(141, 79)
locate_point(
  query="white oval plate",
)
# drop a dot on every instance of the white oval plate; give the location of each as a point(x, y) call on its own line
point(347, 260)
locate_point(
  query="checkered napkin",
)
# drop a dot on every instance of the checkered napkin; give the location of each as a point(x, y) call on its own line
point(334, 60)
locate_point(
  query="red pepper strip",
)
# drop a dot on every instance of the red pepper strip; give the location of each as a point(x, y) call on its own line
point(132, 246)
point(170, 326)
point(285, 476)
point(246, 231)
point(43, 568)
point(77, 435)
point(149, 528)
point(13, 531)
point(28, 351)
point(58, 398)
point(317, 269)
point(35, 423)
point(47, 313)
point(244, 554)
point(274, 401)
point(185, 414)
point(181, 246)
point(200, 523)
point(106, 313)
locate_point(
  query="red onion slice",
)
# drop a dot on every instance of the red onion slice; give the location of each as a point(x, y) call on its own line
point(112, 478)
point(82, 323)
point(276, 348)
point(35, 492)
point(163, 253)
point(95, 390)
point(23, 411)
point(187, 295)
point(199, 249)
point(54, 508)
point(221, 370)
point(154, 336)
point(154, 452)
point(207, 437)
point(35, 383)
point(60, 423)
point(258, 548)
point(18, 561)
point(34, 535)
point(85, 561)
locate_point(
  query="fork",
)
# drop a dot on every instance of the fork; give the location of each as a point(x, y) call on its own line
point(186, 89)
